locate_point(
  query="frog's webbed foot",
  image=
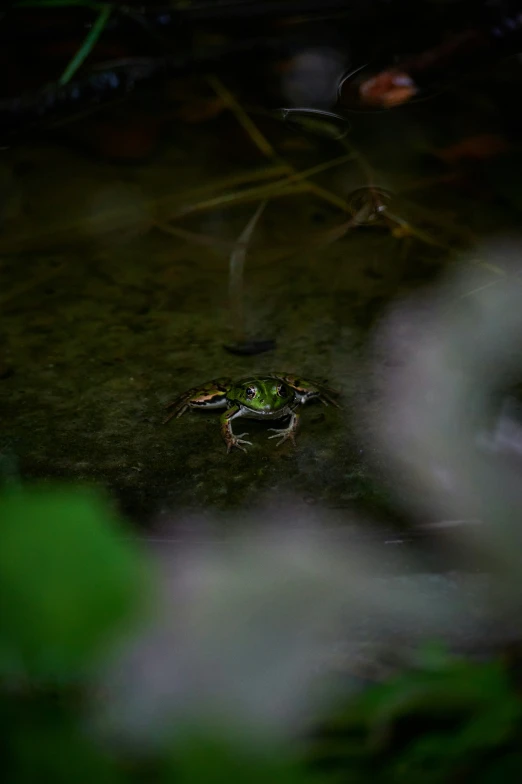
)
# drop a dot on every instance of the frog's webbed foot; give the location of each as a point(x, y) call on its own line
point(179, 406)
point(326, 396)
point(226, 430)
point(286, 433)
point(237, 441)
point(283, 434)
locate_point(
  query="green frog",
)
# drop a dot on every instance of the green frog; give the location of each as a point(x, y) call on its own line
point(270, 396)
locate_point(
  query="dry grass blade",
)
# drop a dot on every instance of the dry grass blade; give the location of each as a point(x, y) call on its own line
point(407, 229)
point(175, 205)
point(262, 144)
point(162, 208)
point(318, 190)
point(236, 275)
point(297, 182)
point(274, 190)
point(214, 243)
point(235, 180)
point(299, 176)
point(400, 227)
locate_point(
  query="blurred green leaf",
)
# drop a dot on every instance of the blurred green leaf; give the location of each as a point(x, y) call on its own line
point(432, 725)
point(453, 685)
point(44, 741)
point(504, 768)
point(69, 581)
point(88, 44)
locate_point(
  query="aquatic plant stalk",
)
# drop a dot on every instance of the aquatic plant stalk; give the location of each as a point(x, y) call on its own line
point(88, 44)
point(236, 274)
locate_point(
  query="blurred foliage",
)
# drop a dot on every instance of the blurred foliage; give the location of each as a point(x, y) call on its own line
point(71, 583)
point(447, 719)
point(68, 581)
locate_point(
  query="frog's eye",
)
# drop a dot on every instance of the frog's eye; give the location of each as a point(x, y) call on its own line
point(251, 393)
point(281, 391)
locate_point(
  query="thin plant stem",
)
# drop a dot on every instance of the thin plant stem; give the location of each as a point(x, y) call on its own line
point(248, 125)
point(236, 274)
point(86, 48)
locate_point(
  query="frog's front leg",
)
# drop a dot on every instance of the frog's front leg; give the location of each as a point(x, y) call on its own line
point(287, 432)
point(226, 429)
point(213, 394)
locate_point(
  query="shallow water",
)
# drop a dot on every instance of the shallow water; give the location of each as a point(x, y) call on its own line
point(106, 317)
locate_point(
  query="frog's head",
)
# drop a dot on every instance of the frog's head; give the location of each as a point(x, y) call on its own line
point(262, 395)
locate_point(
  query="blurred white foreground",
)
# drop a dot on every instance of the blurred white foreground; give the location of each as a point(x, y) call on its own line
point(243, 627)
